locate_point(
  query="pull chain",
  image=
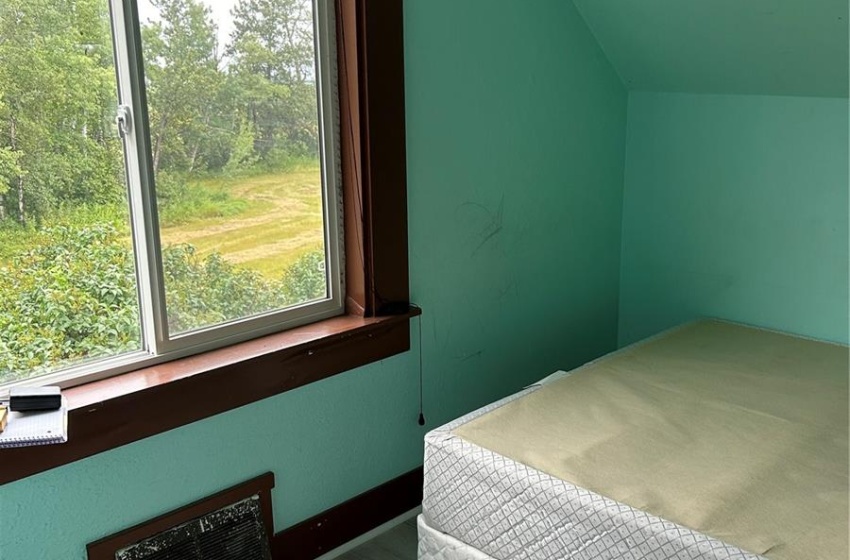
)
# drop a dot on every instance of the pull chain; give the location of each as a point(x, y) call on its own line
point(421, 408)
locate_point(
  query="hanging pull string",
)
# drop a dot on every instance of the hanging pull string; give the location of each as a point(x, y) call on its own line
point(421, 406)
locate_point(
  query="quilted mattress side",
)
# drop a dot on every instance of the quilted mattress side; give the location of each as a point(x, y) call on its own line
point(510, 511)
point(434, 545)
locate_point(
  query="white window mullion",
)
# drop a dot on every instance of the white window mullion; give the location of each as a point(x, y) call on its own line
point(140, 175)
point(324, 24)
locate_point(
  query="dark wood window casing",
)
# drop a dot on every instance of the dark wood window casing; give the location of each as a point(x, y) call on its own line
point(112, 412)
point(371, 62)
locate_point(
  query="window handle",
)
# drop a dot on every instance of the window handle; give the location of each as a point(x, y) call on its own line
point(124, 120)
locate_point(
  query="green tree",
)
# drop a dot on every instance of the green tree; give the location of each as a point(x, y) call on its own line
point(242, 154)
point(56, 95)
point(272, 60)
point(188, 119)
point(274, 39)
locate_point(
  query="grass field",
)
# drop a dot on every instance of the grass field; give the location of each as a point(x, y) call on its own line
point(263, 222)
point(281, 221)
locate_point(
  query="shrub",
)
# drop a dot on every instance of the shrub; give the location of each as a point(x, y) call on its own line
point(305, 279)
point(180, 201)
point(204, 292)
point(73, 296)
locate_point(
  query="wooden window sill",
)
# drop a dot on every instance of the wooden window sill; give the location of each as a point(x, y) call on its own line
point(112, 412)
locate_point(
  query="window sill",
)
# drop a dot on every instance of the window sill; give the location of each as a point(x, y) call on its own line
point(113, 412)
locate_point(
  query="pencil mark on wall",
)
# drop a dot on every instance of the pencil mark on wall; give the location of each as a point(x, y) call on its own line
point(442, 327)
point(494, 227)
point(489, 236)
point(471, 355)
point(493, 222)
point(510, 289)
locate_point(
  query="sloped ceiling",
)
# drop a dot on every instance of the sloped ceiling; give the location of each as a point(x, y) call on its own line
point(771, 47)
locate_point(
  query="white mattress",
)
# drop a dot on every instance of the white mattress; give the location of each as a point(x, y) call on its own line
point(508, 511)
point(434, 545)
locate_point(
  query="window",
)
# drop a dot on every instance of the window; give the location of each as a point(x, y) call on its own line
point(146, 401)
point(204, 214)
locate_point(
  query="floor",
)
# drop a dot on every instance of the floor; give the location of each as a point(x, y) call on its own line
point(399, 543)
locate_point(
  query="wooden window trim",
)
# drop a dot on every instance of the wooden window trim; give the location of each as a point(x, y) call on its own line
point(119, 410)
point(371, 84)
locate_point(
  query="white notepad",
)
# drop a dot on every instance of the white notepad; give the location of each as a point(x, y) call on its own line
point(36, 428)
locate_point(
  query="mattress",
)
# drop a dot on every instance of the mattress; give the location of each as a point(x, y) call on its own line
point(434, 545)
point(506, 482)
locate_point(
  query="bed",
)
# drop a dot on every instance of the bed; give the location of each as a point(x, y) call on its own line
point(710, 441)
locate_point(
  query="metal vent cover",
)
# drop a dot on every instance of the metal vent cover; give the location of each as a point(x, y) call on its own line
point(234, 532)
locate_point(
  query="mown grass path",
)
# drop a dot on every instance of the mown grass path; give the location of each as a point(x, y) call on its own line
point(283, 220)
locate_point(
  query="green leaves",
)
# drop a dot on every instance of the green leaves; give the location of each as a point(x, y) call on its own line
point(274, 39)
point(203, 292)
point(184, 85)
point(305, 280)
point(256, 105)
point(9, 168)
point(57, 93)
point(273, 67)
point(72, 296)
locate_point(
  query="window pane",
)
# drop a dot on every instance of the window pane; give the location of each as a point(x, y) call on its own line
point(234, 124)
point(67, 277)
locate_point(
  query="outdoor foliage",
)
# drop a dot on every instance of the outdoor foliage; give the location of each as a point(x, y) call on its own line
point(67, 273)
point(249, 103)
point(180, 201)
point(57, 100)
point(209, 291)
point(304, 280)
point(74, 296)
point(71, 297)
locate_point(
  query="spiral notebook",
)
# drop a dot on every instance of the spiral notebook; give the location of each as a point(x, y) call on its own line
point(36, 428)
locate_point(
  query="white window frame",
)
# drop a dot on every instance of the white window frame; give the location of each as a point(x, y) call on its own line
point(158, 345)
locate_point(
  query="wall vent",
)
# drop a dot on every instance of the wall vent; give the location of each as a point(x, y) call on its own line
point(231, 525)
point(234, 532)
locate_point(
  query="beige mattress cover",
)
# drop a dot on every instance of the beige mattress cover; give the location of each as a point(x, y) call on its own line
point(738, 433)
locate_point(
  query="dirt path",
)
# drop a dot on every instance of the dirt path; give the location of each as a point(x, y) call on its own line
point(283, 221)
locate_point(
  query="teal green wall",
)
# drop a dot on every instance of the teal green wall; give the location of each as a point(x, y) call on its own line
point(516, 136)
point(737, 207)
point(761, 47)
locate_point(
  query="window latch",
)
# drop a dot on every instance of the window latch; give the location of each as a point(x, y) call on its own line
point(124, 120)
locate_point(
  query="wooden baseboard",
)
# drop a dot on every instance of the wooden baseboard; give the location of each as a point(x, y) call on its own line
point(338, 525)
